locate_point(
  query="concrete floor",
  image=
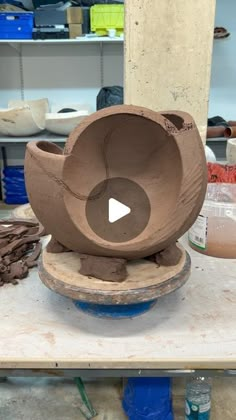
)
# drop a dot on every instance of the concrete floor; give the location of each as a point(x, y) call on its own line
point(223, 398)
point(59, 399)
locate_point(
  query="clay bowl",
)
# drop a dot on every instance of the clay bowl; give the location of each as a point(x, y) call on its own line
point(161, 152)
point(64, 123)
point(23, 118)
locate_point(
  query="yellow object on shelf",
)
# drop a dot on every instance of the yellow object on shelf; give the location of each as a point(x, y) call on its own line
point(105, 17)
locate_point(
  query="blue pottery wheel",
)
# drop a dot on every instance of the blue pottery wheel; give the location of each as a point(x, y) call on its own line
point(146, 282)
point(115, 311)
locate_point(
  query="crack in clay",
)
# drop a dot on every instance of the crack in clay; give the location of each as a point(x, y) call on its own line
point(169, 126)
point(66, 187)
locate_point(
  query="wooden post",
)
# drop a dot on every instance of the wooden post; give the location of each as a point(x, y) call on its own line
point(168, 50)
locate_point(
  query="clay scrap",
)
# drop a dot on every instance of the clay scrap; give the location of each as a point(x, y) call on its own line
point(104, 268)
point(169, 257)
point(54, 247)
point(19, 249)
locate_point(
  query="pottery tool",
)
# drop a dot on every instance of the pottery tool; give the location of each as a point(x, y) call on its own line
point(86, 407)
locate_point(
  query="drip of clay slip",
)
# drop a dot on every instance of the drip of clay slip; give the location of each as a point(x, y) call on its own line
point(160, 151)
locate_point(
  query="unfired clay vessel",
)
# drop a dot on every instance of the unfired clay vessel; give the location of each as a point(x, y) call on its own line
point(162, 152)
point(23, 118)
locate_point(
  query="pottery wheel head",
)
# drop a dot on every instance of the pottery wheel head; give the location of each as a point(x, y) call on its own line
point(123, 185)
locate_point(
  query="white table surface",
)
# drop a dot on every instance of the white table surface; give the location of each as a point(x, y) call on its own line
point(193, 328)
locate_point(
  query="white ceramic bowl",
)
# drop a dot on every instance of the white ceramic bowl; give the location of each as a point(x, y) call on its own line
point(65, 122)
point(210, 155)
point(23, 118)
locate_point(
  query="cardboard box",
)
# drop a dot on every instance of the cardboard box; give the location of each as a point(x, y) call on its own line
point(74, 15)
point(75, 29)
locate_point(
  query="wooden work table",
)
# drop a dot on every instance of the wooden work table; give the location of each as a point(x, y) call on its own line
point(192, 328)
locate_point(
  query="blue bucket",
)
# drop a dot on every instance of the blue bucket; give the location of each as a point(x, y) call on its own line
point(148, 399)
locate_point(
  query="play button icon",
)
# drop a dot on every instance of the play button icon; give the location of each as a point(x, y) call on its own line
point(117, 210)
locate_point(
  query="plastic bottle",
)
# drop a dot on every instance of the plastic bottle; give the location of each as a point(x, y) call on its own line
point(198, 399)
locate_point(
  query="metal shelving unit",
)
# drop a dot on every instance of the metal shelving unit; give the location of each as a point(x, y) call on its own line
point(218, 145)
point(79, 40)
point(20, 44)
point(42, 136)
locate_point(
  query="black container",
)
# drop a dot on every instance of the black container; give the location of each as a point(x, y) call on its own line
point(86, 20)
point(49, 17)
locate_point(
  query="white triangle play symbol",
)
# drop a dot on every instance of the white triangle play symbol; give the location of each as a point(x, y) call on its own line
point(117, 210)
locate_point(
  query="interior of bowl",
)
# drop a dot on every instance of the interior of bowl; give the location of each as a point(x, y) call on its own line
point(131, 147)
point(38, 108)
point(48, 147)
point(66, 115)
point(18, 121)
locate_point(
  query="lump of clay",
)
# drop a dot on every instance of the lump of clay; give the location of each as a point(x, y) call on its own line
point(109, 269)
point(54, 247)
point(168, 257)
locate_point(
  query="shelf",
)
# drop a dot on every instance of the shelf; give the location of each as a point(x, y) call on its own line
point(219, 139)
point(42, 136)
point(79, 40)
point(218, 146)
